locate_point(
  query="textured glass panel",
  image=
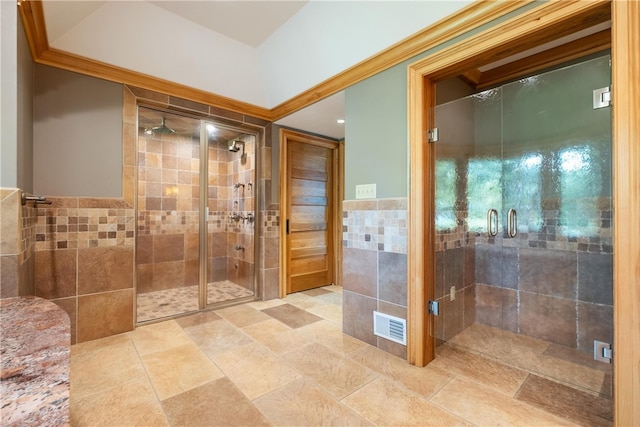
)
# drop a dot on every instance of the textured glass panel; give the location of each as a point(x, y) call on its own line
point(484, 191)
point(445, 194)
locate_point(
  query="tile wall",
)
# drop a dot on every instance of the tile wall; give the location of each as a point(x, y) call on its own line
point(541, 284)
point(84, 263)
point(374, 267)
point(17, 244)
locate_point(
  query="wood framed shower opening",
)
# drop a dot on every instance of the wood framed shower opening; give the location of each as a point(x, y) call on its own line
point(527, 30)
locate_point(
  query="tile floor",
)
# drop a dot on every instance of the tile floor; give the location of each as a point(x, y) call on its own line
point(171, 302)
point(286, 362)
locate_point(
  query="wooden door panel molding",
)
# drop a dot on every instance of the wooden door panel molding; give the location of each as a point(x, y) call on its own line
point(309, 201)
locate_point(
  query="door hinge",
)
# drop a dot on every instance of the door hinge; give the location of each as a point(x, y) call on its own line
point(432, 135)
point(434, 308)
point(601, 97)
point(602, 351)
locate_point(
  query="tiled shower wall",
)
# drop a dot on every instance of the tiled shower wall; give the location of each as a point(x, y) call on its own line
point(168, 212)
point(374, 267)
point(541, 284)
point(547, 285)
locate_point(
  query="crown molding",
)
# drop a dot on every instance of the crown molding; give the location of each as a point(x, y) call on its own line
point(466, 19)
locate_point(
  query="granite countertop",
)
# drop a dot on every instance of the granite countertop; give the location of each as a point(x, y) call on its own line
point(35, 345)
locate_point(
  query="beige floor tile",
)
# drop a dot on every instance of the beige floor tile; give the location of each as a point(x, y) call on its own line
point(218, 403)
point(424, 381)
point(88, 346)
point(302, 403)
point(333, 288)
point(385, 403)
point(130, 404)
point(484, 406)
point(330, 335)
point(242, 315)
point(104, 368)
point(566, 372)
point(254, 369)
point(261, 305)
point(159, 337)
point(292, 316)
point(480, 369)
point(301, 300)
point(327, 311)
point(339, 376)
point(277, 337)
point(217, 337)
point(179, 369)
point(197, 319)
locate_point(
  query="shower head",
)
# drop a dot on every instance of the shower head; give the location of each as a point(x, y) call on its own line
point(235, 144)
point(163, 129)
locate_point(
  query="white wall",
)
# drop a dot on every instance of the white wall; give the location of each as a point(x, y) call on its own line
point(77, 135)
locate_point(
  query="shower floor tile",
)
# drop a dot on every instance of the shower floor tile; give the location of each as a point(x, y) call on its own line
point(171, 302)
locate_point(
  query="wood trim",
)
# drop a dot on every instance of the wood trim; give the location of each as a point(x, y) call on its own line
point(543, 24)
point(579, 48)
point(337, 182)
point(421, 249)
point(553, 17)
point(626, 189)
point(454, 25)
point(458, 23)
point(35, 30)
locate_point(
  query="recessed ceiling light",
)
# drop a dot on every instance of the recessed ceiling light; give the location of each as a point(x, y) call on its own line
point(340, 121)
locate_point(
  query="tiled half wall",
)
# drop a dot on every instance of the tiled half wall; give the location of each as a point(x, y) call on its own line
point(374, 274)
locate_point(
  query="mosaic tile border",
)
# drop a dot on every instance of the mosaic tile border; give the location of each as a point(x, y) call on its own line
point(271, 223)
point(70, 223)
point(379, 225)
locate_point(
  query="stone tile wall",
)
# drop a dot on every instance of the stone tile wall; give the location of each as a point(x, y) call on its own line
point(17, 244)
point(374, 267)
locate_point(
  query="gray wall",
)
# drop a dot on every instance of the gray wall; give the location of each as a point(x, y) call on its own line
point(25, 113)
point(77, 135)
point(376, 134)
point(376, 139)
point(8, 92)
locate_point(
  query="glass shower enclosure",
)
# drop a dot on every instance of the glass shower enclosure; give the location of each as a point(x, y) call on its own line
point(523, 223)
point(194, 214)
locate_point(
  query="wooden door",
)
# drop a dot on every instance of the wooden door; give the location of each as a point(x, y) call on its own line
point(310, 209)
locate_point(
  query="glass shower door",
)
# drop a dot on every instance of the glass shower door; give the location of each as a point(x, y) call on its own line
point(523, 225)
point(230, 214)
point(167, 240)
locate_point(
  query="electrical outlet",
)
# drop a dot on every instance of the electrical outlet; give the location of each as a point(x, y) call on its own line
point(452, 293)
point(366, 191)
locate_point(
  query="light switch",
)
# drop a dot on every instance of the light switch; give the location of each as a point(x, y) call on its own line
point(366, 191)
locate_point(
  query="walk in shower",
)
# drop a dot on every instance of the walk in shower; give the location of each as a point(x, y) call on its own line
point(524, 224)
point(195, 214)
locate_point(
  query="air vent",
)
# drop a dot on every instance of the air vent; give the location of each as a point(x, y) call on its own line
point(389, 327)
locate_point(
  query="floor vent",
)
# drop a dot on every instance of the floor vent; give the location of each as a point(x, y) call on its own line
point(389, 327)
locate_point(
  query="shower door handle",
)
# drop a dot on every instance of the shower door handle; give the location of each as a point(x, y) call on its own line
point(512, 223)
point(492, 222)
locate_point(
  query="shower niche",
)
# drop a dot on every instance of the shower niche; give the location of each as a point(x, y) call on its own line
point(195, 214)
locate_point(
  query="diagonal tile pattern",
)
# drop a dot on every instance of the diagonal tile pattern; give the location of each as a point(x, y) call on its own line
point(274, 363)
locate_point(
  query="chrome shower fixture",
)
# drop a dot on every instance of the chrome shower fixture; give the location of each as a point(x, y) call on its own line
point(235, 145)
point(162, 129)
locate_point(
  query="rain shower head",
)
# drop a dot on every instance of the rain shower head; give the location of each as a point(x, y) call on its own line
point(163, 129)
